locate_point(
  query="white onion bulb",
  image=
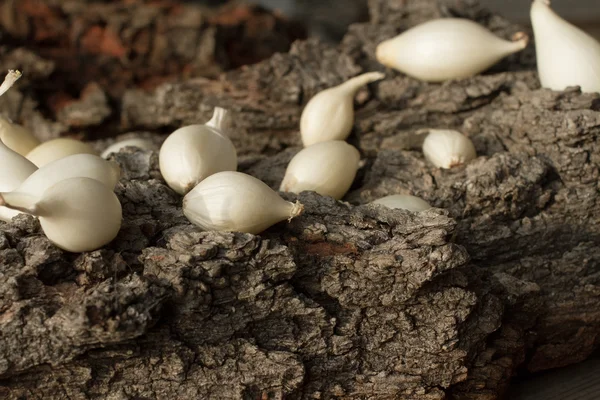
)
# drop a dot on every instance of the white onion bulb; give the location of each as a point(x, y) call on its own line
point(405, 202)
point(329, 115)
point(566, 55)
point(448, 48)
point(446, 148)
point(194, 152)
point(233, 201)
point(17, 137)
point(77, 165)
point(14, 170)
point(327, 168)
point(76, 214)
point(56, 149)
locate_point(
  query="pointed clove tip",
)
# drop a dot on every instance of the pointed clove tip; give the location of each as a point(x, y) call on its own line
point(381, 54)
point(521, 37)
point(297, 210)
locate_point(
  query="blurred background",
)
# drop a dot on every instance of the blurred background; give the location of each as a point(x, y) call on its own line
point(329, 19)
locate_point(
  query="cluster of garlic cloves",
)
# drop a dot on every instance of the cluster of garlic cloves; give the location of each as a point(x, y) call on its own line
point(71, 194)
point(199, 161)
point(65, 184)
point(77, 215)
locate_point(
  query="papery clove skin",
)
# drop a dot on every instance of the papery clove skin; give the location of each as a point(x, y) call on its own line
point(140, 143)
point(329, 115)
point(56, 149)
point(76, 214)
point(17, 137)
point(193, 153)
point(566, 55)
point(236, 202)
point(328, 168)
point(74, 166)
point(447, 48)
point(446, 148)
point(14, 170)
point(405, 202)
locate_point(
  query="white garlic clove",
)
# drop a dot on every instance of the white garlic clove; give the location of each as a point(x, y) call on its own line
point(447, 148)
point(77, 165)
point(329, 115)
point(14, 170)
point(56, 149)
point(328, 168)
point(17, 137)
point(566, 55)
point(192, 153)
point(444, 49)
point(76, 214)
point(403, 201)
point(233, 201)
point(143, 144)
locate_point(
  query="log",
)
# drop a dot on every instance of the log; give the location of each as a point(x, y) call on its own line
point(350, 300)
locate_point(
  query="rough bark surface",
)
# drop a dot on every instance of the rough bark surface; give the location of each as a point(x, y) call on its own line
point(350, 300)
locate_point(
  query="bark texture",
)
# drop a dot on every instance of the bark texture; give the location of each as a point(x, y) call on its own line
point(350, 300)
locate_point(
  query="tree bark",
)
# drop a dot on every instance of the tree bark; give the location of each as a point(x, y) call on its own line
point(350, 300)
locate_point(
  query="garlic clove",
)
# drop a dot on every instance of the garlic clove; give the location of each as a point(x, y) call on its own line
point(328, 168)
point(77, 165)
point(329, 115)
point(448, 48)
point(566, 55)
point(56, 149)
point(233, 201)
point(143, 144)
point(405, 202)
point(447, 148)
point(17, 137)
point(76, 214)
point(14, 170)
point(194, 152)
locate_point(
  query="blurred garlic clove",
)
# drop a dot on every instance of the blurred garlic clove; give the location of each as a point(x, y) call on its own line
point(329, 115)
point(403, 201)
point(233, 201)
point(566, 55)
point(143, 144)
point(194, 152)
point(77, 165)
point(76, 214)
point(14, 170)
point(17, 137)
point(447, 148)
point(56, 149)
point(327, 168)
point(448, 48)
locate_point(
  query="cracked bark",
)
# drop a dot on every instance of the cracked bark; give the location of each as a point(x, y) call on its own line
point(350, 300)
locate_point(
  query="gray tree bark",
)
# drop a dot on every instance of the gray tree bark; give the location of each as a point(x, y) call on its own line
point(350, 300)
